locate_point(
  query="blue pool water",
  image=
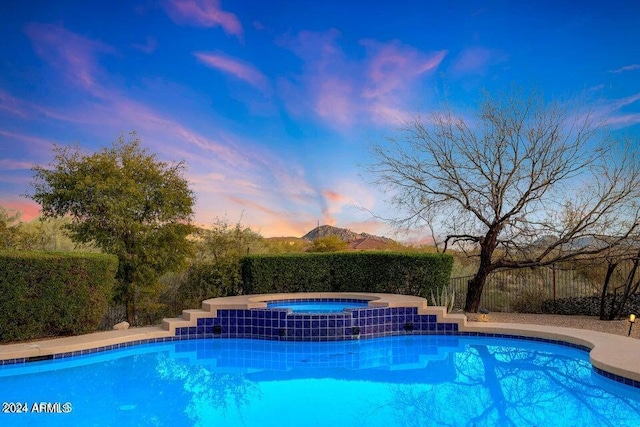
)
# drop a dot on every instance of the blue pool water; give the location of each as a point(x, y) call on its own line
point(303, 306)
point(397, 381)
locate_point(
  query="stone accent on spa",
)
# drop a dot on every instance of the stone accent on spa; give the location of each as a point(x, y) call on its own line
point(249, 317)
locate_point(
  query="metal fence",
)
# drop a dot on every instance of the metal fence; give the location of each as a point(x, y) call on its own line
point(117, 313)
point(506, 289)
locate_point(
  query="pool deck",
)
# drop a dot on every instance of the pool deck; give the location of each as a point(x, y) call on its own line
point(614, 354)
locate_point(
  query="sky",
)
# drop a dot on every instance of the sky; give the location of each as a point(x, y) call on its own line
point(274, 105)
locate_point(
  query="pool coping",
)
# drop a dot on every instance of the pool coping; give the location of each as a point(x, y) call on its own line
point(611, 355)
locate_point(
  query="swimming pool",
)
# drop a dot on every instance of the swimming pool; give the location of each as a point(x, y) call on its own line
point(412, 380)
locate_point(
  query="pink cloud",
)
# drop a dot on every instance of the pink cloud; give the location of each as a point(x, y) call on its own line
point(73, 55)
point(334, 101)
point(35, 143)
point(11, 104)
point(235, 68)
point(26, 109)
point(631, 67)
point(394, 66)
point(326, 86)
point(221, 164)
point(334, 196)
point(343, 91)
point(245, 203)
point(11, 164)
point(203, 13)
point(124, 110)
point(476, 60)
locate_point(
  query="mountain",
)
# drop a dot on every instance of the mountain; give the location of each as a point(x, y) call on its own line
point(357, 241)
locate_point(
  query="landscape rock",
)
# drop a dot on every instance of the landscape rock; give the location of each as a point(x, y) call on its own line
point(121, 326)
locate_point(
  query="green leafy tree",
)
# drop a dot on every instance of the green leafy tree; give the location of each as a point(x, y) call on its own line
point(224, 241)
point(328, 244)
point(283, 245)
point(215, 271)
point(127, 203)
point(48, 235)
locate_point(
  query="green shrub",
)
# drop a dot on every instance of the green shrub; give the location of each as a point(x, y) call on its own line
point(46, 294)
point(386, 272)
point(209, 279)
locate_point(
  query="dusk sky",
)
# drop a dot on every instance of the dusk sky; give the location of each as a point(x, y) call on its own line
point(273, 104)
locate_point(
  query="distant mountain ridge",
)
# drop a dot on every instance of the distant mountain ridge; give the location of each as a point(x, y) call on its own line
point(344, 234)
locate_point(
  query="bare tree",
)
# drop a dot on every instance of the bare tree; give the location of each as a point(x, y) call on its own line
point(524, 183)
point(623, 263)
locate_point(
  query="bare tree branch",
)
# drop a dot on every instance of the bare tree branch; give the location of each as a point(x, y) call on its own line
point(535, 180)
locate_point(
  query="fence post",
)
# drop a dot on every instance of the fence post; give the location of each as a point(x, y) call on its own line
point(553, 279)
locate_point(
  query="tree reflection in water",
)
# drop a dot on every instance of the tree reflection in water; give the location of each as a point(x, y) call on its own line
point(209, 392)
point(514, 386)
point(396, 381)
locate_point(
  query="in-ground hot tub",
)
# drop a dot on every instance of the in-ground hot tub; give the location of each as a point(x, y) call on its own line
point(314, 317)
point(318, 305)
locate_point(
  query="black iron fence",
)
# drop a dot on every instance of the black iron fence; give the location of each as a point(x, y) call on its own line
point(117, 313)
point(505, 291)
point(509, 290)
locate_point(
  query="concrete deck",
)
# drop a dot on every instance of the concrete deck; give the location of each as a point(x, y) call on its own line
point(618, 355)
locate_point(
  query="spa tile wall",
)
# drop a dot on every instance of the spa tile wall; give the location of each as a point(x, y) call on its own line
point(284, 325)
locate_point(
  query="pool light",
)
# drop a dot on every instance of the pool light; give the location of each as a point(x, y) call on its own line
point(632, 320)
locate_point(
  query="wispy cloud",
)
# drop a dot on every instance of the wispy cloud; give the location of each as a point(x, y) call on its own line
point(11, 164)
point(476, 61)
point(229, 172)
point(327, 84)
point(393, 66)
point(203, 13)
point(631, 67)
point(343, 91)
point(30, 110)
point(334, 203)
point(334, 196)
point(624, 120)
point(334, 101)
point(11, 104)
point(234, 67)
point(71, 54)
point(35, 143)
point(615, 112)
point(254, 206)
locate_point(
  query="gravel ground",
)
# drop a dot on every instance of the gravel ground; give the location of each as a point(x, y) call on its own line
point(617, 327)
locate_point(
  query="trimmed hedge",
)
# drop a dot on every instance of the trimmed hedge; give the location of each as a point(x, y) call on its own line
point(384, 272)
point(47, 294)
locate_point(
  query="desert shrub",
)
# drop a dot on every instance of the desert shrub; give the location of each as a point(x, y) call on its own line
point(328, 244)
point(529, 299)
point(47, 294)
